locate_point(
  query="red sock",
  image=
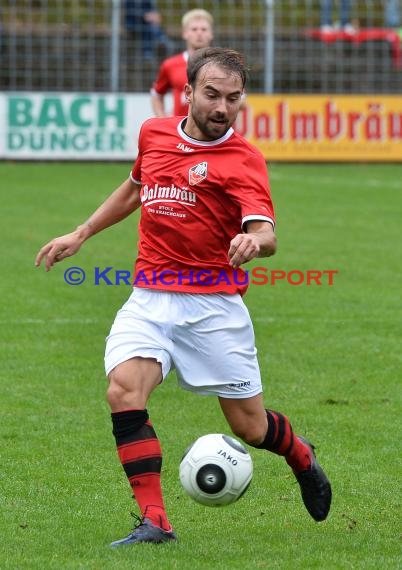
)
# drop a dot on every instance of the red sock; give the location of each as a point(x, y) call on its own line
point(281, 439)
point(141, 457)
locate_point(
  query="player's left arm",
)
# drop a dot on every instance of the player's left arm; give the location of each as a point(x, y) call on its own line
point(259, 241)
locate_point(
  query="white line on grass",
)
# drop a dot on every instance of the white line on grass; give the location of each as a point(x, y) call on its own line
point(316, 179)
point(51, 321)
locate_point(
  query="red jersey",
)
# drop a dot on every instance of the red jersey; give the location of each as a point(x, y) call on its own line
point(172, 77)
point(196, 196)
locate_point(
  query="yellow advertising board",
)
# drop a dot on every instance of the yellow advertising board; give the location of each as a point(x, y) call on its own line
point(338, 128)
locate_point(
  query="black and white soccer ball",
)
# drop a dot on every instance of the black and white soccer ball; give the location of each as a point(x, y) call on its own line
point(216, 470)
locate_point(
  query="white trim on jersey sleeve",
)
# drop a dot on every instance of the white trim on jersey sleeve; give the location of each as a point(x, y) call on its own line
point(255, 218)
point(134, 180)
point(153, 91)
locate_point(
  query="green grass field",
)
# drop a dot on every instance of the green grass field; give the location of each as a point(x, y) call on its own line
point(330, 358)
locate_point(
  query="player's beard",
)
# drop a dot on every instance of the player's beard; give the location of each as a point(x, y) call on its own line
point(210, 129)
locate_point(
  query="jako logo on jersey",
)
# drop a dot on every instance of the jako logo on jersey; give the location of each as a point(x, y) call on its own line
point(184, 147)
point(157, 193)
point(197, 173)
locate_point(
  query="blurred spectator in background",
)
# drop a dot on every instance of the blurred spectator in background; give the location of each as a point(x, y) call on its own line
point(143, 23)
point(345, 21)
point(392, 17)
point(197, 31)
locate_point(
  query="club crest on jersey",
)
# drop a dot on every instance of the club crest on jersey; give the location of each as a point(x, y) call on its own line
point(197, 173)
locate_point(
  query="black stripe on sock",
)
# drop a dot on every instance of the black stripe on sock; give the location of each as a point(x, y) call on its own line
point(281, 433)
point(143, 467)
point(127, 424)
point(289, 448)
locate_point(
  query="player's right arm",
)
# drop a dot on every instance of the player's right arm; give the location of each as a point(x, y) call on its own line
point(120, 204)
point(160, 87)
point(158, 104)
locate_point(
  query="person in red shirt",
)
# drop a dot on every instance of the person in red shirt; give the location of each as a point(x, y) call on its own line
point(197, 31)
point(206, 210)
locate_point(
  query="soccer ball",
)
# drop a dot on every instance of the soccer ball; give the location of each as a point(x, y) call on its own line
point(216, 470)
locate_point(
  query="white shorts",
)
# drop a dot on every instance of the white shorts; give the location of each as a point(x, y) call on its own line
point(208, 339)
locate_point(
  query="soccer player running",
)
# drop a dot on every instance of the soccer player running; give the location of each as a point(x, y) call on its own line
point(206, 210)
point(197, 31)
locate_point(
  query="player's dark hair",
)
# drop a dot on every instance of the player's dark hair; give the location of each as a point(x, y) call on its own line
point(227, 58)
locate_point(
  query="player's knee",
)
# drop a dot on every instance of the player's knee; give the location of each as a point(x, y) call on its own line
point(251, 434)
point(115, 394)
point(119, 393)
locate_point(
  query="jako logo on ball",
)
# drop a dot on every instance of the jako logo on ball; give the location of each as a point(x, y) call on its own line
point(216, 470)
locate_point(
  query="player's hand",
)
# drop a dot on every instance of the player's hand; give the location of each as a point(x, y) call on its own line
point(243, 248)
point(58, 249)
